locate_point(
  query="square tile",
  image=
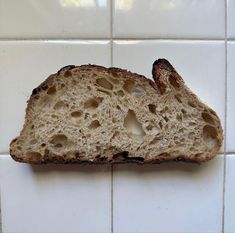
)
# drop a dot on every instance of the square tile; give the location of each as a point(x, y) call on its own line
point(55, 19)
point(54, 198)
point(200, 63)
point(25, 64)
point(230, 147)
point(169, 19)
point(171, 197)
point(229, 214)
point(231, 18)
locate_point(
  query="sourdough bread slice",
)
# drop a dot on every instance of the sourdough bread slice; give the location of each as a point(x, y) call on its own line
point(93, 114)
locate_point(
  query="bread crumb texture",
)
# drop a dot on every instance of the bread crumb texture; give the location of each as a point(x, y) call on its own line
point(93, 114)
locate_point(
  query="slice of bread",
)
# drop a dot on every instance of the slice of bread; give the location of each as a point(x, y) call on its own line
point(93, 114)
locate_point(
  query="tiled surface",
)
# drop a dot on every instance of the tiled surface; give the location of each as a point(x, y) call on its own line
point(163, 198)
point(231, 19)
point(24, 65)
point(169, 19)
point(168, 198)
point(231, 98)
point(58, 198)
point(200, 63)
point(230, 195)
point(54, 19)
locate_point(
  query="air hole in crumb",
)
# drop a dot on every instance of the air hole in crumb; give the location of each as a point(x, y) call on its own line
point(132, 124)
point(209, 132)
point(86, 115)
point(179, 117)
point(178, 98)
point(58, 139)
point(160, 124)
point(120, 93)
point(210, 135)
point(152, 108)
point(183, 111)
point(88, 88)
point(76, 114)
point(104, 83)
point(207, 118)
point(105, 92)
point(54, 116)
point(149, 127)
point(191, 123)
point(94, 124)
point(190, 103)
point(191, 135)
point(60, 105)
point(166, 118)
point(138, 91)
point(32, 126)
point(33, 141)
point(98, 148)
point(33, 156)
point(43, 144)
point(51, 91)
point(118, 107)
point(114, 80)
point(19, 147)
point(156, 140)
point(128, 85)
point(67, 73)
point(115, 134)
point(198, 155)
point(181, 130)
point(93, 103)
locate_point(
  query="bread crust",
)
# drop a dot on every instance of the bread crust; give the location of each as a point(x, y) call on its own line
point(160, 87)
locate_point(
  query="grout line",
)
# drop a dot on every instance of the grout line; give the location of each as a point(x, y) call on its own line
point(225, 123)
point(111, 61)
point(112, 198)
point(0, 212)
point(107, 39)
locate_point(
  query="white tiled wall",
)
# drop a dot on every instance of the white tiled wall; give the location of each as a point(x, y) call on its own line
point(39, 37)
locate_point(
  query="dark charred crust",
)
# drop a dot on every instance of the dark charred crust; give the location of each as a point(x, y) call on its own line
point(158, 65)
point(14, 140)
point(44, 87)
point(119, 158)
point(124, 157)
point(35, 91)
point(65, 68)
point(163, 64)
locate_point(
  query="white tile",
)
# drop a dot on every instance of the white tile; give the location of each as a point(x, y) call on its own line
point(54, 198)
point(169, 19)
point(54, 19)
point(171, 197)
point(200, 63)
point(229, 214)
point(231, 98)
point(24, 65)
point(231, 18)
